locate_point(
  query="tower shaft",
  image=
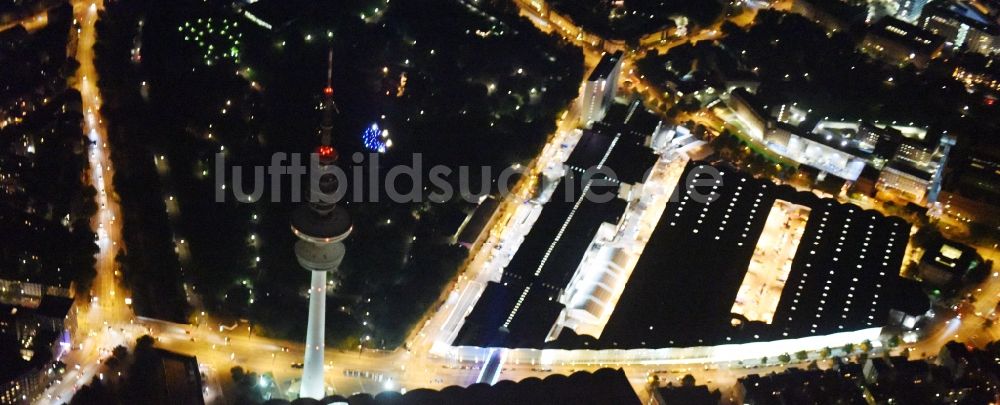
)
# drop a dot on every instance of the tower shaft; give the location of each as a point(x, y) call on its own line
point(312, 370)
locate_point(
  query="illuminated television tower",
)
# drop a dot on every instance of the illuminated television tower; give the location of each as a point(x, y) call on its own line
point(321, 228)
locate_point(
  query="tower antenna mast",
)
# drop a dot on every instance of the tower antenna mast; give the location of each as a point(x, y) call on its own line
point(329, 107)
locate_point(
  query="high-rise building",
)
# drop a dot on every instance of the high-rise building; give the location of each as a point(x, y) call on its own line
point(599, 89)
point(321, 226)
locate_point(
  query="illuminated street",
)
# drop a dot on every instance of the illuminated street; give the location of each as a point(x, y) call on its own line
point(102, 321)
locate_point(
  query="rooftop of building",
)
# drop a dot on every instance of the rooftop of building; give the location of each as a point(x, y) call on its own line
point(843, 139)
point(750, 100)
point(529, 327)
point(631, 158)
point(692, 301)
point(552, 259)
point(521, 309)
point(951, 255)
point(180, 378)
point(852, 136)
point(590, 149)
point(909, 169)
point(51, 307)
point(899, 365)
point(902, 381)
point(632, 118)
point(54, 307)
point(631, 161)
point(844, 275)
point(606, 66)
point(543, 262)
point(478, 219)
point(909, 35)
point(869, 173)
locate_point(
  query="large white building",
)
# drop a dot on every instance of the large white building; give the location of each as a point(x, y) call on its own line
point(837, 156)
point(908, 163)
point(599, 89)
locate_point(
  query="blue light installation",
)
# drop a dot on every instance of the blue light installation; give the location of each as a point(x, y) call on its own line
point(376, 139)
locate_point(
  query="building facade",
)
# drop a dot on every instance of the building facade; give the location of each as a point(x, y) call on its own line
point(25, 386)
point(40, 334)
point(24, 293)
point(963, 25)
